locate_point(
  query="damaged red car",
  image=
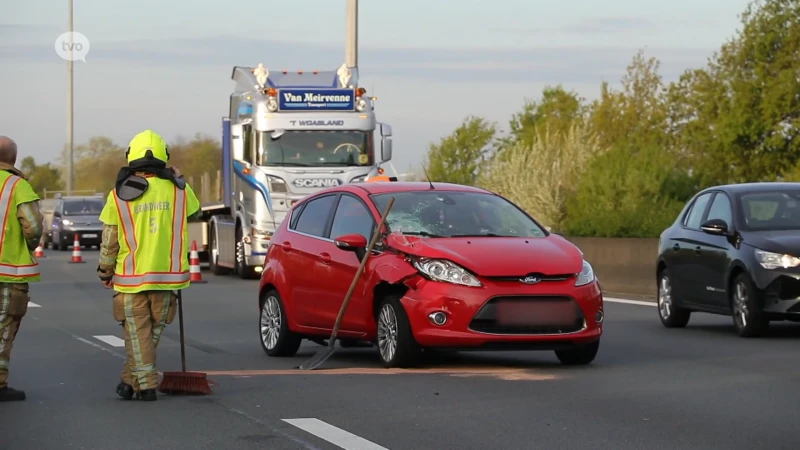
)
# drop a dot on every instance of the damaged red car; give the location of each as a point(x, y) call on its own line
point(455, 267)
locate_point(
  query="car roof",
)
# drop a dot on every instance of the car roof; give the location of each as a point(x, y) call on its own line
point(411, 186)
point(743, 188)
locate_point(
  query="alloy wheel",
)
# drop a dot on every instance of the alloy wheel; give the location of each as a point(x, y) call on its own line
point(387, 332)
point(270, 322)
point(740, 311)
point(665, 297)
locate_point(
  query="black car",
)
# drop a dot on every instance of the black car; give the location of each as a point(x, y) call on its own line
point(734, 250)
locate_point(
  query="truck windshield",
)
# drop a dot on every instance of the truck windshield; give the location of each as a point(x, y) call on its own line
point(317, 148)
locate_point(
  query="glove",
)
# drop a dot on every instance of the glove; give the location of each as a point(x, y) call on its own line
point(104, 276)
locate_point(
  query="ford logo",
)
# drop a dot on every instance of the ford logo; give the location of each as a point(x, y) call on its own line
point(530, 279)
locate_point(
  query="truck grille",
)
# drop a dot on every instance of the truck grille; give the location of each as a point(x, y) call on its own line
point(529, 315)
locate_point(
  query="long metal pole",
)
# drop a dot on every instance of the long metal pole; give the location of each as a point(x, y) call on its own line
point(351, 48)
point(70, 171)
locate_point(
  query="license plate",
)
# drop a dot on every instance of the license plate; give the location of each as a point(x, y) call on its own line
point(536, 313)
point(89, 235)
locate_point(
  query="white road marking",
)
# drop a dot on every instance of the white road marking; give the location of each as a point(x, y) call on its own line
point(97, 346)
point(334, 435)
point(33, 305)
point(111, 340)
point(629, 302)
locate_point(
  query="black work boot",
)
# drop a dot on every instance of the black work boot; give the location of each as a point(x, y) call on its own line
point(148, 395)
point(125, 390)
point(8, 394)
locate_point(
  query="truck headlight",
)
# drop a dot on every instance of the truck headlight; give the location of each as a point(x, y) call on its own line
point(586, 276)
point(361, 105)
point(447, 271)
point(272, 105)
point(769, 260)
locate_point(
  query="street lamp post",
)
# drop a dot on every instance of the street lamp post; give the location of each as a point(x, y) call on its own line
point(69, 106)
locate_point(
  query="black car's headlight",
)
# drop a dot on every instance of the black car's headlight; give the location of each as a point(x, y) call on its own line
point(447, 271)
point(586, 276)
point(769, 260)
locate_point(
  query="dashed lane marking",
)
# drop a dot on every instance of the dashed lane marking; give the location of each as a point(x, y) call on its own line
point(111, 340)
point(33, 305)
point(629, 302)
point(334, 435)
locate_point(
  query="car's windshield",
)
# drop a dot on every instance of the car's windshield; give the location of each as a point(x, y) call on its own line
point(317, 149)
point(455, 214)
point(768, 211)
point(85, 207)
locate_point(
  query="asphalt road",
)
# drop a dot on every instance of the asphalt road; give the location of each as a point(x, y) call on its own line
point(650, 388)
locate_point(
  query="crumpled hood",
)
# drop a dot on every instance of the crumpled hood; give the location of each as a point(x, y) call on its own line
point(497, 256)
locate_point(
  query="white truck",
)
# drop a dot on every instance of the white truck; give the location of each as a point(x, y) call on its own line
point(288, 134)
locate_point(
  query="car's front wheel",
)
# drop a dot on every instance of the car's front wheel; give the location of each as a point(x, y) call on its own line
point(671, 315)
point(748, 318)
point(579, 356)
point(396, 344)
point(276, 337)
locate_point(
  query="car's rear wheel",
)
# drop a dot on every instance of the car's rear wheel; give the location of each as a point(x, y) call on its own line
point(671, 315)
point(276, 337)
point(580, 355)
point(396, 344)
point(748, 319)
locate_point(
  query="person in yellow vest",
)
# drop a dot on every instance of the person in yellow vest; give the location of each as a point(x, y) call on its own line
point(19, 236)
point(143, 255)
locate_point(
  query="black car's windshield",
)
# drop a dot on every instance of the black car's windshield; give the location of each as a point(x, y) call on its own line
point(317, 149)
point(771, 211)
point(455, 214)
point(87, 207)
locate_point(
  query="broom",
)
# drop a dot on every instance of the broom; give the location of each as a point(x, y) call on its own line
point(184, 382)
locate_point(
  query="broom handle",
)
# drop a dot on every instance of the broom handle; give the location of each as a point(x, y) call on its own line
point(180, 325)
point(358, 273)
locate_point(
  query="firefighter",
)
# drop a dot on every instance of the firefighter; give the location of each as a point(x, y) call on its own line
point(19, 206)
point(143, 255)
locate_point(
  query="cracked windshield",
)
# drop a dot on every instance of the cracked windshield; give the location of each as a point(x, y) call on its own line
point(455, 214)
point(317, 149)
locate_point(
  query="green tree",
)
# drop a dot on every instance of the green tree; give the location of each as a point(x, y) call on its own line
point(42, 177)
point(628, 192)
point(557, 110)
point(543, 175)
point(458, 157)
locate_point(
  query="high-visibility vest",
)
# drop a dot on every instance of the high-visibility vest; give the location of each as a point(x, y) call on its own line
point(153, 237)
point(17, 264)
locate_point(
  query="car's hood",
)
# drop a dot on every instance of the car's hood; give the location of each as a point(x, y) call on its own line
point(782, 241)
point(84, 219)
point(497, 256)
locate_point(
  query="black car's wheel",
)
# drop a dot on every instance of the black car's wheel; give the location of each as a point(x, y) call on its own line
point(396, 344)
point(671, 315)
point(580, 355)
point(748, 317)
point(276, 337)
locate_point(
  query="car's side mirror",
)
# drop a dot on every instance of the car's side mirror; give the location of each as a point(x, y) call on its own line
point(715, 226)
point(352, 243)
point(56, 214)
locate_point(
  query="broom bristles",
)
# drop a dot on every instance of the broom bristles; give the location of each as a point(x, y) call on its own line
point(184, 383)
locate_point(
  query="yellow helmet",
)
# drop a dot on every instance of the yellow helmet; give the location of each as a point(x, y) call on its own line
point(147, 145)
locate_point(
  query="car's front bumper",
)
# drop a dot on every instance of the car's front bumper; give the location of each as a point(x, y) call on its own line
point(781, 292)
point(463, 304)
point(86, 235)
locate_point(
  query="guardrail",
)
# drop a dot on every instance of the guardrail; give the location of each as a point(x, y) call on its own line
point(624, 266)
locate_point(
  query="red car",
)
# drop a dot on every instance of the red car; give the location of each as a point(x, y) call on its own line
point(456, 268)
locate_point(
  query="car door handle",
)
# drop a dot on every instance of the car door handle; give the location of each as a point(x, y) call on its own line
point(676, 247)
point(325, 258)
point(286, 246)
point(697, 250)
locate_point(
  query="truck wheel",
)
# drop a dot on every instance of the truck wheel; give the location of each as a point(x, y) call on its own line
point(243, 271)
point(213, 253)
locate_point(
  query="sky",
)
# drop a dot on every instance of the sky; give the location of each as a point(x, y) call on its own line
point(167, 65)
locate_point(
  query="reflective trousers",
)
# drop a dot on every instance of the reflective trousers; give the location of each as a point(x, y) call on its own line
point(143, 316)
point(13, 306)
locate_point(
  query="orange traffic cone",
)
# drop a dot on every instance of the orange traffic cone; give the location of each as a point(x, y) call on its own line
point(76, 251)
point(39, 252)
point(194, 266)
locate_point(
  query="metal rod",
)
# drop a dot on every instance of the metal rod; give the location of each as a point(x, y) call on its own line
point(70, 110)
point(351, 38)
